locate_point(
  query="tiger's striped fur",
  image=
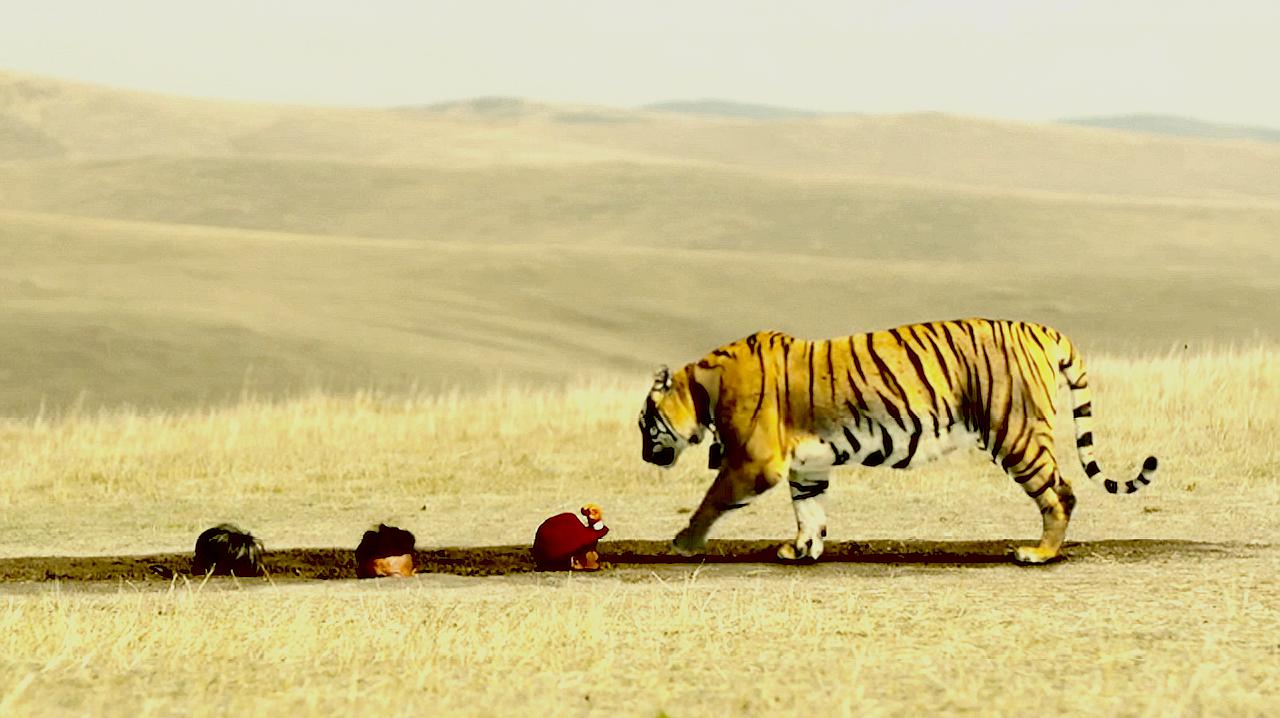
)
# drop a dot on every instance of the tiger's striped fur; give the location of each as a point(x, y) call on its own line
point(783, 407)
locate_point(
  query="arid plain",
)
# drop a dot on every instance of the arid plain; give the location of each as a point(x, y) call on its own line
point(309, 320)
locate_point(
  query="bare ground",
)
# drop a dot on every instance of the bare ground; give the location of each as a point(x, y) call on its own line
point(320, 564)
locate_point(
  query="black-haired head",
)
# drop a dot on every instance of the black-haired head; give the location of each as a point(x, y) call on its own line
point(225, 549)
point(384, 541)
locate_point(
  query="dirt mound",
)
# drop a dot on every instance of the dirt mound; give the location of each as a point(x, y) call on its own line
point(335, 563)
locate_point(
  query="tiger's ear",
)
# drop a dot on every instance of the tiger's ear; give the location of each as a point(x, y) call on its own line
point(662, 378)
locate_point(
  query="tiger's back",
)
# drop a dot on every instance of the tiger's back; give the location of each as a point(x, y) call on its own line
point(886, 397)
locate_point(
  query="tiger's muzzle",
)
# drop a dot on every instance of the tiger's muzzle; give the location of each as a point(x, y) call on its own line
point(658, 455)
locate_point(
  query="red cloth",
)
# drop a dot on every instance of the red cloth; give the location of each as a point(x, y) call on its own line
point(562, 536)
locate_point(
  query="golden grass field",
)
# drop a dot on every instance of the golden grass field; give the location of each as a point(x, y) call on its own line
point(1183, 621)
point(310, 320)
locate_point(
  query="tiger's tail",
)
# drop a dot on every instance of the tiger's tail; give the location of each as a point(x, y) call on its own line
point(1072, 368)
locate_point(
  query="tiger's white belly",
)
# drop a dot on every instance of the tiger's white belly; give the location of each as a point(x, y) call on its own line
point(871, 443)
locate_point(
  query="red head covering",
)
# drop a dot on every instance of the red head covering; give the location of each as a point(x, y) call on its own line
point(564, 535)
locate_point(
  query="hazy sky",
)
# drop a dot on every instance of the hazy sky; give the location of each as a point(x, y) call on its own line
point(1032, 59)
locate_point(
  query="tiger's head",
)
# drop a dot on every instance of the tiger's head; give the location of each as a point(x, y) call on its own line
point(675, 415)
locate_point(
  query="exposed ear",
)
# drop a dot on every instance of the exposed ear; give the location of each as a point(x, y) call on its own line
point(662, 378)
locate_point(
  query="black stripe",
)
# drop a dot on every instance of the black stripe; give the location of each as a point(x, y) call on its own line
point(1085, 409)
point(972, 395)
point(1150, 464)
point(760, 399)
point(1092, 469)
point(1025, 476)
point(721, 353)
point(786, 377)
point(1035, 336)
point(964, 397)
point(893, 411)
point(808, 491)
point(887, 377)
point(875, 458)
point(1112, 486)
point(1016, 453)
point(1024, 348)
point(1086, 439)
point(810, 353)
point(890, 380)
point(984, 426)
point(1020, 366)
point(831, 375)
point(939, 355)
point(857, 395)
point(1042, 489)
point(853, 440)
point(912, 445)
point(857, 364)
point(839, 457)
point(918, 364)
point(1005, 417)
point(1035, 460)
point(951, 342)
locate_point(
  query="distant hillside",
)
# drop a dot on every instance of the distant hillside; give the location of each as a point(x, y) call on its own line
point(728, 108)
point(44, 119)
point(164, 251)
point(1177, 126)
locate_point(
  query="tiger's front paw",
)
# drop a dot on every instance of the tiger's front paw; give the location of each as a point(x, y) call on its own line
point(805, 548)
point(686, 544)
point(1033, 555)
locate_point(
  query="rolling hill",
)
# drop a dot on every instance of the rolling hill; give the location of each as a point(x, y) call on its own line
point(161, 251)
point(1178, 127)
point(728, 108)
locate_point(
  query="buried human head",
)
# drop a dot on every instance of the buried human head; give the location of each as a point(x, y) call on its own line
point(564, 542)
point(227, 550)
point(385, 551)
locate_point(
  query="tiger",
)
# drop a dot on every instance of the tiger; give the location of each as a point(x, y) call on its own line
point(777, 407)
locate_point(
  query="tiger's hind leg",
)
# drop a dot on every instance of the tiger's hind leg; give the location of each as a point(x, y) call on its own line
point(1043, 482)
point(811, 519)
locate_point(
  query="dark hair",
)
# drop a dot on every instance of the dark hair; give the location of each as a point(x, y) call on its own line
point(225, 549)
point(383, 542)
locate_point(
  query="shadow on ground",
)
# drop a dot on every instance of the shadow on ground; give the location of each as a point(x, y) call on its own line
point(336, 563)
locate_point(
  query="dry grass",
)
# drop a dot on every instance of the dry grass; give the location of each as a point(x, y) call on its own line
point(1166, 636)
point(1087, 640)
